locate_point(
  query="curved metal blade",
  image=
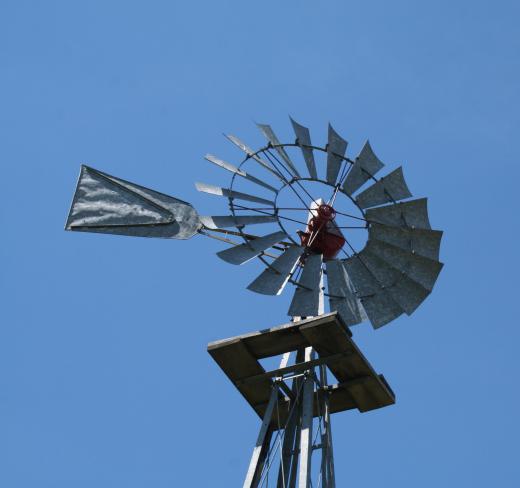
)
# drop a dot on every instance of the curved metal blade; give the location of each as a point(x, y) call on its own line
point(271, 137)
point(413, 213)
point(273, 279)
point(390, 188)
point(306, 299)
point(406, 292)
point(303, 138)
point(419, 269)
point(249, 250)
point(240, 172)
point(418, 241)
point(344, 299)
point(244, 147)
point(105, 204)
point(366, 166)
point(225, 192)
point(336, 148)
point(379, 305)
point(223, 221)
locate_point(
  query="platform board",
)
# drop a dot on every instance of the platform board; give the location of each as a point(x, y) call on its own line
point(358, 385)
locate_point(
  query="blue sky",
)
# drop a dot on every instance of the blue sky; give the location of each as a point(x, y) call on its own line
point(104, 376)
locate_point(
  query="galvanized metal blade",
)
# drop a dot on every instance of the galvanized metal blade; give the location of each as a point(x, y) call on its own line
point(343, 297)
point(421, 270)
point(379, 305)
point(406, 292)
point(422, 242)
point(271, 137)
point(272, 280)
point(303, 139)
point(249, 250)
point(336, 148)
point(238, 171)
point(413, 213)
point(250, 153)
point(388, 189)
point(365, 167)
point(225, 192)
point(305, 302)
point(224, 221)
point(105, 204)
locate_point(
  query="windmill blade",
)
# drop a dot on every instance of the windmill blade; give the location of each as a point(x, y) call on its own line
point(223, 221)
point(105, 204)
point(336, 148)
point(407, 293)
point(388, 189)
point(271, 137)
point(425, 243)
point(250, 153)
point(343, 297)
point(421, 270)
point(378, 303)
point(225, 192)
point(303, 138)
point(249, 250)
point(365, 167)
point(413, 213)
point(273, 279)
point(240, 172)
point(306, 299)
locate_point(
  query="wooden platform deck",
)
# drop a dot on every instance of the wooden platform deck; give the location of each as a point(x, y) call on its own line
point(358, 385)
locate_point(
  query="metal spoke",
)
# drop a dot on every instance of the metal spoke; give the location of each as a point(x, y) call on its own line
point(351, 227)
point(295, 180)
point(240, 207)
point(289, 184)
point(351, 216)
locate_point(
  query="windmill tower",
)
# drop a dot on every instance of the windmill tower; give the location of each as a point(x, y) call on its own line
point(316, 242)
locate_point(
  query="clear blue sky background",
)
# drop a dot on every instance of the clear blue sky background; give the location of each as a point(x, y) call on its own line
point(104, 376)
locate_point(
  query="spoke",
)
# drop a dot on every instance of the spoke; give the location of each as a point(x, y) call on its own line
point(351, 216)
point(295, 180)
point(332, 199)
point(268, 156)
point(345, 172)
point(351, 227)
point(346, 253)
point(240, 207)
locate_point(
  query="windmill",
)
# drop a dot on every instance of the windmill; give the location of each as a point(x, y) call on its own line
point(328, 227)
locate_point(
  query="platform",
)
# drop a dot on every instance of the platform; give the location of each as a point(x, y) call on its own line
point(358, 385)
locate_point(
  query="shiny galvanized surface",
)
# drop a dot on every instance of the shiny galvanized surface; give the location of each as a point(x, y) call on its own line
point(105, 204)
point(225, 192)
point(405, 292)
point(344, 299)
point(244, 147)
point(273, 279)
point(390, 188)
point(378, 303)
point(421, 270)
point(336, 147)
point(249, 250)
point(422, 242)
point(223, 221)
point(413, 213)
point(303, 138)
point(366, 166)
point(305, 302)
point(238, 171)
point(271, 137)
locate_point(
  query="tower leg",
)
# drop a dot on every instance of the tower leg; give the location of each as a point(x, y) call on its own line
point(307, 417)
point(262, 444)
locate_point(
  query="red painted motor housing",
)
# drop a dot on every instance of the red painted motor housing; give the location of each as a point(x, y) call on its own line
point(322, 236)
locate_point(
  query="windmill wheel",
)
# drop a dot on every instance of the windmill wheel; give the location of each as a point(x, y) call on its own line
point(377, 252)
